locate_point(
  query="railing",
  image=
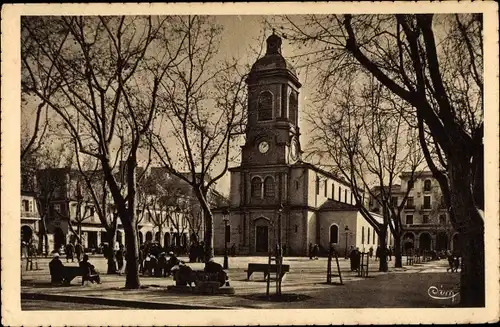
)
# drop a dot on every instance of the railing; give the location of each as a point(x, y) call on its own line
point(410, 206)
point(29, 214)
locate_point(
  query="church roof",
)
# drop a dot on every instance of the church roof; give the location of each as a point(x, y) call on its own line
point(273, 60)
point(332, 205)
point(324, 172)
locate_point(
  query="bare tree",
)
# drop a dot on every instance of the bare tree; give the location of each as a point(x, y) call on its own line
point(434, 63)
point(368, 146)
point(201, 106)
point(110, 69)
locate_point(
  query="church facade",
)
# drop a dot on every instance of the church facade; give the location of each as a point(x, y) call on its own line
point(273, 185)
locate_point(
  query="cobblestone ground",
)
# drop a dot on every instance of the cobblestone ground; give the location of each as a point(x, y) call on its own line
point(401, 287)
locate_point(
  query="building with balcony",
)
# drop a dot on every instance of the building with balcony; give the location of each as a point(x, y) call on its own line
point(30, 218)
point(425, 218)
point(162, 215)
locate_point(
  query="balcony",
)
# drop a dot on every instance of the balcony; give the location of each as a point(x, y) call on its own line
point(29, 215)
point(409, 207)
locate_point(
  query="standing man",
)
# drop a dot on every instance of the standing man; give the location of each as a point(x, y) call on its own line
point(78, 251)
point(70, 250)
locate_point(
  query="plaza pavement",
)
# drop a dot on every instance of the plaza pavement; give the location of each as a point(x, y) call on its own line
point(402, 287)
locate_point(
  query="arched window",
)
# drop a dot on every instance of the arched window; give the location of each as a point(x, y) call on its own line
point(427, 185)
point(269, 187)
point(363, 235)
point(265, 106)
point(334, 234)
point(256, 189)
point(293, 104)
point(368, 238)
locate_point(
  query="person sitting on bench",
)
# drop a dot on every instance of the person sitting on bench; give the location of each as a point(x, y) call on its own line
point(172, 261)
point(213, 267)
point(56, 268)
point(88, 270)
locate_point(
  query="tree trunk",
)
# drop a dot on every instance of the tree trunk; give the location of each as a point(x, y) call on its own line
point(209, 237)
point(469, 223)
point(383, 246)
point(132, 257)
point(398, 256)
point(112, 269)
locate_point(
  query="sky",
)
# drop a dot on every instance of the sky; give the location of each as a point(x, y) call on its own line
point(242, 37)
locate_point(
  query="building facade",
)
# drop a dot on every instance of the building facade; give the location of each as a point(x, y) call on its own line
point(274, 192)
point(425, 218)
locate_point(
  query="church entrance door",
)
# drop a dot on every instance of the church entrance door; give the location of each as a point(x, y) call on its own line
point(261, 239)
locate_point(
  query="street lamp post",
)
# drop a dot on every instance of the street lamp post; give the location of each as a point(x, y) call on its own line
point(279, 253)
point(225, 218)
point(346, 236)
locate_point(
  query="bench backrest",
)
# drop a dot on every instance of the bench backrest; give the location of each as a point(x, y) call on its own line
point(265, 267)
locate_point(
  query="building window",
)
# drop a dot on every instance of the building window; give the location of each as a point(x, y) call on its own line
point(363, 235)
point(25, 205)
point(427, 185)
point(410, 185)
point(425, 219)
point(409, 219)
point(265, 106)
point(442, 219)
point(317, 185)
point(345, 196)
point(368, 238)
point(374, 237)
point(326, 188)
point(334, 234)
point(284, 99)
point(409, 202)
point(256, 188)
point(333, 191)
point(269, 187)
point(293, 105)
point(339, 194)
point(427, 202)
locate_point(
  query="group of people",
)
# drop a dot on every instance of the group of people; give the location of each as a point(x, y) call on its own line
point(454, 261)
point(58, 270)
point(73, 249)
point(313, 251)
point(158, 265)
point(378, 252)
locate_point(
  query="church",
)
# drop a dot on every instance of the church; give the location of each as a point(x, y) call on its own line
point(274, 186)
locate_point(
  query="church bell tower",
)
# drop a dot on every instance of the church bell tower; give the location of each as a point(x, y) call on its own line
point(272, 136)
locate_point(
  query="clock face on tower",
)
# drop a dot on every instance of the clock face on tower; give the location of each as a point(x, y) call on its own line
point(294, 150)
point(263, 147)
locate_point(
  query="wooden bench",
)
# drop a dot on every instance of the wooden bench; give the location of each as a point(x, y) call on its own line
point(71, 272)
point(266, 269)
point(198, 277)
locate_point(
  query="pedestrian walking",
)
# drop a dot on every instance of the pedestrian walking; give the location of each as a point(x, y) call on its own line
point(378, 253)
point(370, 251)
point(120, 257)
point(78, 251)
point(70, 250)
